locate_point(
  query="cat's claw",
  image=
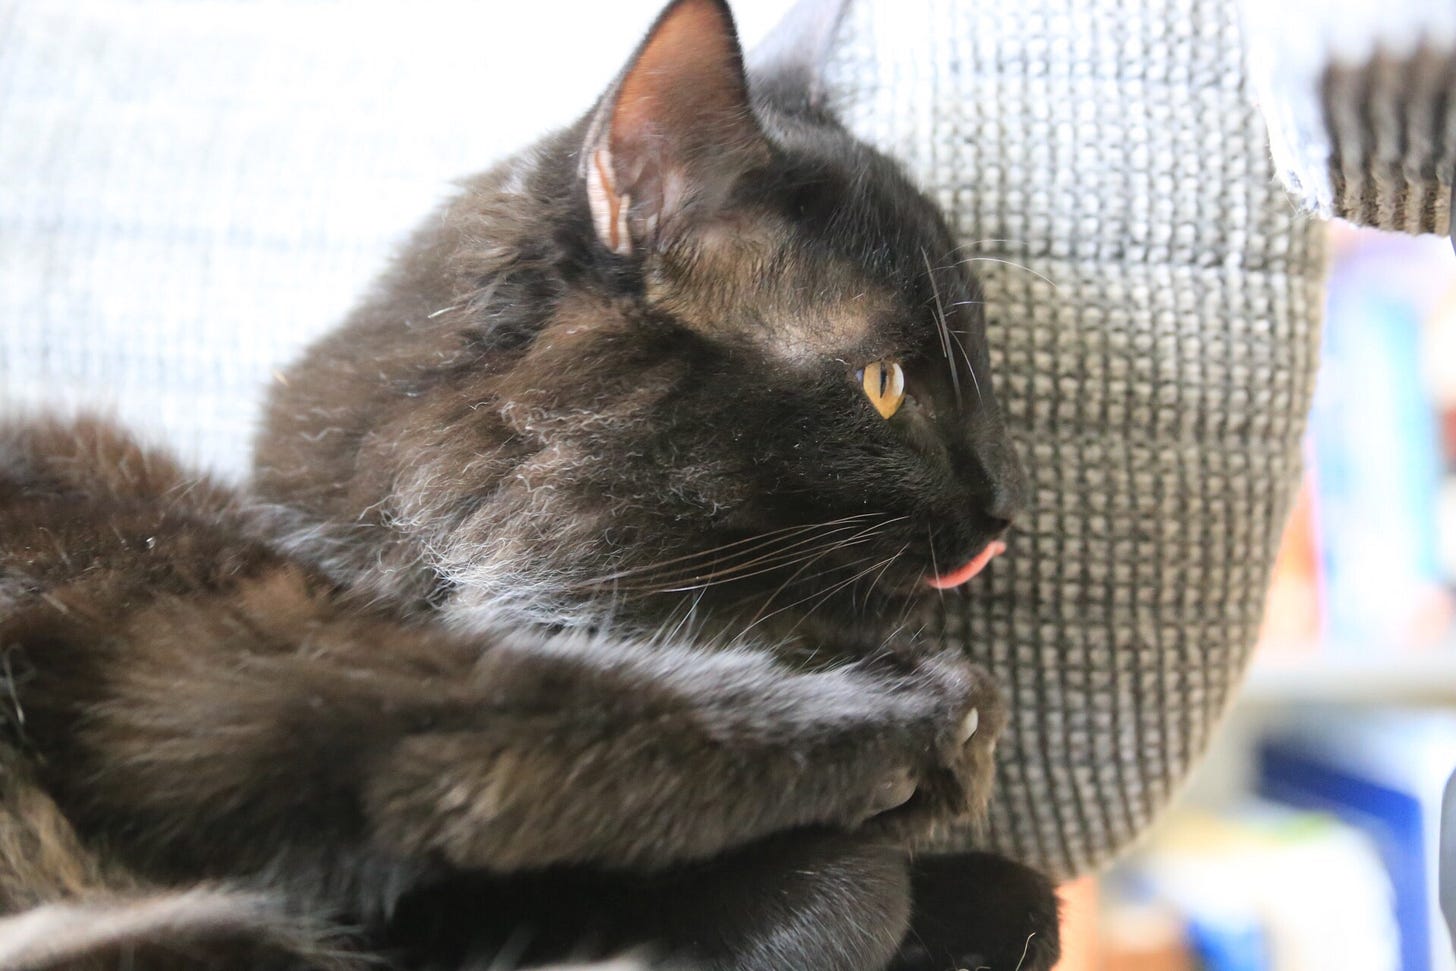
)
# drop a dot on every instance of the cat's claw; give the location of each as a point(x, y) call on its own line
point(894, 792)
point(953, 777)
point(969, 724)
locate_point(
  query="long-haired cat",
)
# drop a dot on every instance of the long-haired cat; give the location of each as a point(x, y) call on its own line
point(580, 614)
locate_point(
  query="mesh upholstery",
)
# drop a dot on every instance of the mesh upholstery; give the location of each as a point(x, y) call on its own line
point(1155, 350)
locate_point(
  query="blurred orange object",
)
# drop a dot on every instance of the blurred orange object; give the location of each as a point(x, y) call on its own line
point(1292, 612)
point(1130, 938)
point(1079, 925)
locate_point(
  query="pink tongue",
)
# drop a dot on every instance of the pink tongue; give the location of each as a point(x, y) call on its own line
point(956, 578)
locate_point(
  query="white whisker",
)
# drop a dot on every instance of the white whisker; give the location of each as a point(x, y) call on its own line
point(1019, 266)
point(981, 242)
point(758, 543)
point(867, 534)
point(825, 597)
point(943, 329)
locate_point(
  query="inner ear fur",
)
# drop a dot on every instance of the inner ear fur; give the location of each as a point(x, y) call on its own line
point(673, 132)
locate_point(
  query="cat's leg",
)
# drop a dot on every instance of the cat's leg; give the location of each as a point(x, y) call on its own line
point(842, 902)
point(265, 728)
point(979, 910)
point(623, 755)
point(809, 900)
point(805, 900)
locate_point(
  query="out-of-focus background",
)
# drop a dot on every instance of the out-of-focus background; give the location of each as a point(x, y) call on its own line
point(1308, 839)
point(205, 150)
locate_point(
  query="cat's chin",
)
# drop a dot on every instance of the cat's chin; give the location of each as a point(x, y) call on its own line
point(964, 574)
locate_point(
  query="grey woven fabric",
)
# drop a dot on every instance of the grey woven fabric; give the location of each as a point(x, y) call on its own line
point(1155, 349)
point(188, 192)
point(1357, 94)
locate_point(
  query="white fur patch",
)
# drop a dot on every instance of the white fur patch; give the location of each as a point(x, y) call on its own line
point(608, 207)
point(58, 932)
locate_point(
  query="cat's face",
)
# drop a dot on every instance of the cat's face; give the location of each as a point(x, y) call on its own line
point(783, 389)
point(702, 349)
point(849, 376)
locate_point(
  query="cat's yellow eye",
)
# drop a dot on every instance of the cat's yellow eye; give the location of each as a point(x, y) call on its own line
point(884, 385)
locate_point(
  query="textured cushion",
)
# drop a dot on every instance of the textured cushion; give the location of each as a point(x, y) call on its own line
point(1153, 304)
point(191, 190)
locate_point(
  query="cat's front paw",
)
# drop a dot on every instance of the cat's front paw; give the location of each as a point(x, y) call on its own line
point(952, 777)
point(979, 910)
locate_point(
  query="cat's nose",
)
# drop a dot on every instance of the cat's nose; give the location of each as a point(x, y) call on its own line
point(1007, 497)
point(994, 508)
point(1010, 488)
point(997, 525)
point(1003, 508)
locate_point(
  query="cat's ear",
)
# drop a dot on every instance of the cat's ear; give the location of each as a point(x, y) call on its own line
point(787, 66)
point(674, 132)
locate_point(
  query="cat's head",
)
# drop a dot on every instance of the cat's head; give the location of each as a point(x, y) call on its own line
point(716, 350)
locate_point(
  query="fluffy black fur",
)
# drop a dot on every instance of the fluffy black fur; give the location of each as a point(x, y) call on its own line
point(579, 616)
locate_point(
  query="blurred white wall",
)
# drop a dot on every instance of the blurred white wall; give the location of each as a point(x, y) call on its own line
point(191, 189)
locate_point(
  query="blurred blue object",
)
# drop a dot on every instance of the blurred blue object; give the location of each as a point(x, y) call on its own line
point(1374, 444)
point(1225, 946)
point(1383, 772)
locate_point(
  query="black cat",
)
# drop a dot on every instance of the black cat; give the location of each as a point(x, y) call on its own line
point(579, 616)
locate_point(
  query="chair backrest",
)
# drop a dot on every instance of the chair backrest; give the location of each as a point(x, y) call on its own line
point(1153, 302)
